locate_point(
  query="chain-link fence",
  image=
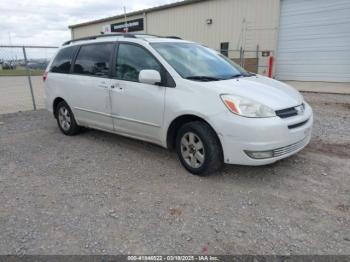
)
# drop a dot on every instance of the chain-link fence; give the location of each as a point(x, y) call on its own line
point(21, 70)
point(255, 61)
point(22, 67)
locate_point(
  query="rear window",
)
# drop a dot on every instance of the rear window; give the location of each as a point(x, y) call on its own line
point(94, 60)
point(63, 60)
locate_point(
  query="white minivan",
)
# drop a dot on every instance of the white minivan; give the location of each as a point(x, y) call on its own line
point(179, 95)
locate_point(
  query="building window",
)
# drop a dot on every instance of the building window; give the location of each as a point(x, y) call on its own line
point(224, 48)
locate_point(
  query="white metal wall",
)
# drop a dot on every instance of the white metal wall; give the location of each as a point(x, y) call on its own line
point(228, 16)
point(314, 41)
point(189, 22)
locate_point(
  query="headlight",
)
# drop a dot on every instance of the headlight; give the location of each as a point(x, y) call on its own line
point(246, 107)
point(302, 97)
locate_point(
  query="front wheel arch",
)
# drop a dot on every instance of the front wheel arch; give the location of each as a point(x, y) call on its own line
point(180, 121)
point(201, 153)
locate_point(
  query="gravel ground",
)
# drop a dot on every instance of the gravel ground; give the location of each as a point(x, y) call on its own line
point(99, 193)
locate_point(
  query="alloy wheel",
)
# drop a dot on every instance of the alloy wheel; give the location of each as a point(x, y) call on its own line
point(64, 118)
point(192, 150)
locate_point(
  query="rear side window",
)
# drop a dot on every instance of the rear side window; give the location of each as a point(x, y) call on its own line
point(63, 60)
point(94, 60)
point(131, 60)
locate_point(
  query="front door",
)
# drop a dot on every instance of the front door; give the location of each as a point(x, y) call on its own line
point(137, 108)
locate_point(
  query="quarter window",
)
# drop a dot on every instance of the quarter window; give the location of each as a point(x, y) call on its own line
point(94, 60)
point(63, 60)
point(131, 60)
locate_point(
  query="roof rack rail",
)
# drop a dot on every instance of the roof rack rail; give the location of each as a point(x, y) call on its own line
point(126, 35)
point(98, 36)
point(173, 37)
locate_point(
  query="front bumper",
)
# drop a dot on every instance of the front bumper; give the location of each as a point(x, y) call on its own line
point(262, 134)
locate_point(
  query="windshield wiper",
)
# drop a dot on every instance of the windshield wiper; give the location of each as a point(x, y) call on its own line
point(240, 75)
point(203, 78)
point(248, 74)
point(233, 76)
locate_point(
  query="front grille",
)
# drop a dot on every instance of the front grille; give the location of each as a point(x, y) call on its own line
point(298, 124)
point(288, 112)
point(292, 111)
point(288, 149)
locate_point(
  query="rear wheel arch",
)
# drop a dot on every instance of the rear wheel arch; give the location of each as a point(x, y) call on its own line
point(65, 119)
point(55, 104)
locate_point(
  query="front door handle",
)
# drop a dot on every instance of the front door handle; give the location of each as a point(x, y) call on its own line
point(117, 87)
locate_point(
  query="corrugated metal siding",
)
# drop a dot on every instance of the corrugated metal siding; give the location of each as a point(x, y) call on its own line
point(314, 41)
point(189, 22)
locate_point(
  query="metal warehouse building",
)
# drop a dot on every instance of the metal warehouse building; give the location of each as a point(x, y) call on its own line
point(309, 39)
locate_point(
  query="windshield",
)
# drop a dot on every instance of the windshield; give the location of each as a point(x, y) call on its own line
point(196, 62)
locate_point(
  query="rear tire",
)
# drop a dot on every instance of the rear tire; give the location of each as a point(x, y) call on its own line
point(198, 148)
point(65, 120)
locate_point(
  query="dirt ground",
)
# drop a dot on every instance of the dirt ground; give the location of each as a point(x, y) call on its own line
point(99, 193)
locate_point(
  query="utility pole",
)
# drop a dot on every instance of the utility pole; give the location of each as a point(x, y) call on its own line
point(125, 22)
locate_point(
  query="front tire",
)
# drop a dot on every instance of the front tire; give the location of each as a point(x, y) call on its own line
point(198, 148)
point(65, 120)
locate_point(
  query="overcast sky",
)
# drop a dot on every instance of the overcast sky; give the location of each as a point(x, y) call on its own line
point(45, 22)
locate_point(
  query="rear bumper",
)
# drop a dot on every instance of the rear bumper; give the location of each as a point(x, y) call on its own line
point(48, 100)
point(260, 135)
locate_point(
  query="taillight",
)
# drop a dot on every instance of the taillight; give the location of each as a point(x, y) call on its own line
point(45, 76)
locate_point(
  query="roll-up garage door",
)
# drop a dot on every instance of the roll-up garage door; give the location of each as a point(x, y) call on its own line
point(314, 41)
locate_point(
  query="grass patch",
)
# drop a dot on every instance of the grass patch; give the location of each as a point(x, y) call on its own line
point(21, 72)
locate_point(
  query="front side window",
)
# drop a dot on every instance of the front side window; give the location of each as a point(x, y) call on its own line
point(63, 60)
point(94, 60)
point(196, 62)
point(131, 60)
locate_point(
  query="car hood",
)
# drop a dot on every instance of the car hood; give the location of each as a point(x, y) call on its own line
point(267, 91)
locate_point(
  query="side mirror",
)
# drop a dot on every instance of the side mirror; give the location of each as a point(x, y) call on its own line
point(151, 77)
